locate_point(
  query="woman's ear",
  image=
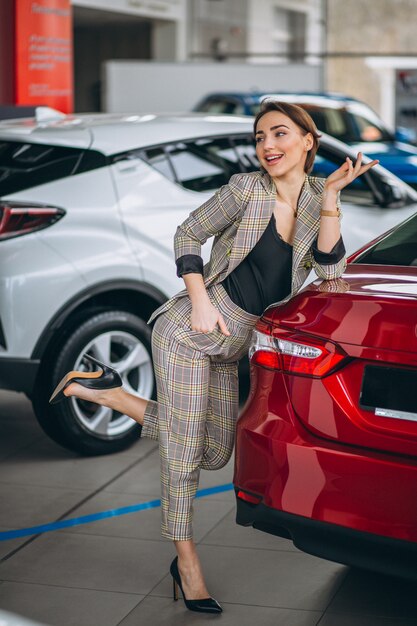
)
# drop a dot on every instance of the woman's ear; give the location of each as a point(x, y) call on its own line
point(308, 141)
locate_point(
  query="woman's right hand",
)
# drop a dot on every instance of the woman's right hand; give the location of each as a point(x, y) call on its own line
point(205, 316)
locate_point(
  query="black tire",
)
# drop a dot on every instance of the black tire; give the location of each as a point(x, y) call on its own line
point(68, 422)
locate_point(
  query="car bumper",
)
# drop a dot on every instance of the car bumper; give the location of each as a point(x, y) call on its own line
point(18, 374)
point(292, 471)
point(335, 543)
point(295, 472)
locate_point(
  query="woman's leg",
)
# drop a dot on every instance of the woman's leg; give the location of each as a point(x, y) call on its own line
point(220, 423)
point(182, 374)
point(117, 399)
point(195, 418)
point(190, 570)
point(221, 416)
point(222, 413)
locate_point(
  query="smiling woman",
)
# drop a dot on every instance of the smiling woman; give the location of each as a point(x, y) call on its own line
point(295, 129)
point(270, 228)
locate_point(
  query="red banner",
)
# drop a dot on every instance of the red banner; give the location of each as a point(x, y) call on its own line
point(44, 59)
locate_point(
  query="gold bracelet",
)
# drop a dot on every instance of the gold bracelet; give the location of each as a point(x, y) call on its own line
point(330, 213)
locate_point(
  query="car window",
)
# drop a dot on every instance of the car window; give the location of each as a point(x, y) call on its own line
point(367, 123)
point(211, 106)
point(331, 121)
point(222, 106)
point(25, 165)
point(353, 123)
point(334, 121)
point(203, 164)
point(255, 108)
point(158, 158)
point(398, 248)
point(245, 149)
point(359, 192)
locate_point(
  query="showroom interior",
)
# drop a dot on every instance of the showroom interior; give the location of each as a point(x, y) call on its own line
point(119, 119)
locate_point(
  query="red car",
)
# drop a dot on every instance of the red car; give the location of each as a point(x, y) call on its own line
point(326, 451)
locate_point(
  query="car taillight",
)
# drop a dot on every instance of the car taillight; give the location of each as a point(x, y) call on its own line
point(248, 497)
point(18, 219)
point(294, 353)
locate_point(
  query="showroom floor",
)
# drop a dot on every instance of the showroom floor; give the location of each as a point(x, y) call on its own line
point(114, 571)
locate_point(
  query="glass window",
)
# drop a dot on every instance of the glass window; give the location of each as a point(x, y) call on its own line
point(354, 122)
point(358, 192)
point(373, 188)
point(397, 248)
point(25, 165)
point(239, 109)
point(333, 121)
point(223, 106)
point(255, 108)
point(157, 158)
point(245, 148)
point(367, 123)
point(211, 106)
point(204, 164)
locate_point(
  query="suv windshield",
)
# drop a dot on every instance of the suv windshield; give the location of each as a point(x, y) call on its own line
point(353, 123)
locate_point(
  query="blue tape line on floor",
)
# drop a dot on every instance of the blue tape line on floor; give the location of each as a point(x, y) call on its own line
point(86, 519)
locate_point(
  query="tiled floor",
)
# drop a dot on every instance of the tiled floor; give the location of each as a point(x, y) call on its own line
point(115, 571)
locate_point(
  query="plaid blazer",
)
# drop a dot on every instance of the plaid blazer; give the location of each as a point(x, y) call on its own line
point(236, 216)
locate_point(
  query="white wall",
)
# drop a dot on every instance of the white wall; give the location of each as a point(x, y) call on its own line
point(135, 86)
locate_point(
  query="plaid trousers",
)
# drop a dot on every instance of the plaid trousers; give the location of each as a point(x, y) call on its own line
point(195, 414)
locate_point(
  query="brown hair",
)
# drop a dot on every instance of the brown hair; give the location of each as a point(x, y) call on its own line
point(300, 117)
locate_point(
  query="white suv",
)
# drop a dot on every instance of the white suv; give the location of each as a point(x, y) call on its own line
point(88, 209)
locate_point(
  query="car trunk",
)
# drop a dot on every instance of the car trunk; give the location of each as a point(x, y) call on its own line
point(370, 399)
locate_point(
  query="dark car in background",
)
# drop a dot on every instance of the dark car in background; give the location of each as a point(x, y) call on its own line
point(345, 118)
point(326, 450)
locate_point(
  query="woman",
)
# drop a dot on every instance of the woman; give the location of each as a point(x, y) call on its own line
point(271, 228)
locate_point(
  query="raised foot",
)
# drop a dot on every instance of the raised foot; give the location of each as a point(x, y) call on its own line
point(84, 393)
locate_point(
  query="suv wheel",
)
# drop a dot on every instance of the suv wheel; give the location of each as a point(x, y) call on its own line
point(120, 340)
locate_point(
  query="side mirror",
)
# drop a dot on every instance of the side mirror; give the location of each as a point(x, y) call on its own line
point(391, 194)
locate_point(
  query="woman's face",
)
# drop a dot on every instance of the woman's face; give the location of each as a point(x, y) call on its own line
point(281, 146)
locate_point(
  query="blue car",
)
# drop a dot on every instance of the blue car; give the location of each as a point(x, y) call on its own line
point(345, 118)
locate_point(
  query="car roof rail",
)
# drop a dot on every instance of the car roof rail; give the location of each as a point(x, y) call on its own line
point(47, 114)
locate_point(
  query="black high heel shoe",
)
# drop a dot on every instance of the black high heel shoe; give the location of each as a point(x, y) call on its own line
point(107, 378)
point(205, 605)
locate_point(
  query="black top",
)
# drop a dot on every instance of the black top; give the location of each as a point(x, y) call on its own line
point(264, 275)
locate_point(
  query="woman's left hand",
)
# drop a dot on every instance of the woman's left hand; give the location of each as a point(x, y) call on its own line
point(347, 173)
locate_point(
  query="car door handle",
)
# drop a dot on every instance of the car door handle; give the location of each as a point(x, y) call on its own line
point(128, 166)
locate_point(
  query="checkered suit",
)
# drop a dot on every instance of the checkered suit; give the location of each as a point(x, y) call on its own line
point(195, 416)
point(237, 215)
point(196, 373)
